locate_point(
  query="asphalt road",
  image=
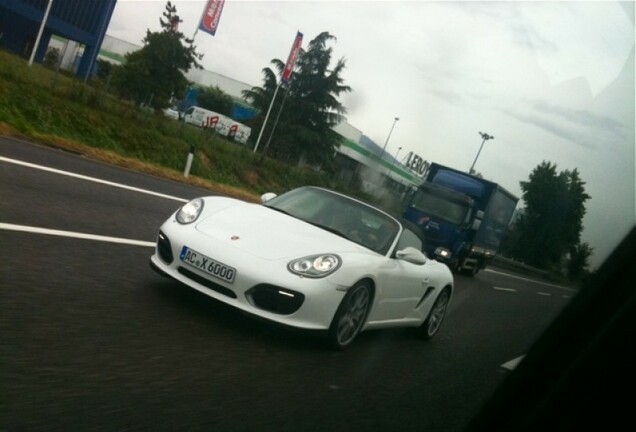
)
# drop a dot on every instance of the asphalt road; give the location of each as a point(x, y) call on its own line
point(92, 339)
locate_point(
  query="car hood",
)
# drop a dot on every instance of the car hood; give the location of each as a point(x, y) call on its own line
point(269, 234)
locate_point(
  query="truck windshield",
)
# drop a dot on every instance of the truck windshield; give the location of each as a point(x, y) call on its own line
point(440, 207)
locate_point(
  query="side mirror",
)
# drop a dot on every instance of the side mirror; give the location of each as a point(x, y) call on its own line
point(477, 221)
point(267, 196)
point(412, 255)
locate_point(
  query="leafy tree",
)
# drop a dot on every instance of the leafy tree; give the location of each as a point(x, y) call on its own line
point(551, 224)
point(578, 264)
point(104, 69)
point(155, 73)
point(215, 99)
point(311, 106)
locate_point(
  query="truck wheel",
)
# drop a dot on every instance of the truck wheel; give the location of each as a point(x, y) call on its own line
point(471, 272)
point(453, 265)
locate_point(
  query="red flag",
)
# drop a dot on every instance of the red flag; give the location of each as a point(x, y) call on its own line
point(291, 60)
point(211, 16)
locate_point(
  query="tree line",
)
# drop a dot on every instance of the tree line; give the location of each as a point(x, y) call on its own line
point(547, 232)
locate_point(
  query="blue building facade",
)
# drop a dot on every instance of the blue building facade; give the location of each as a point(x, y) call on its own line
point(83, 21)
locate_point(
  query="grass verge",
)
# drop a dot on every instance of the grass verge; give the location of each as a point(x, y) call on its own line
point(50, 108)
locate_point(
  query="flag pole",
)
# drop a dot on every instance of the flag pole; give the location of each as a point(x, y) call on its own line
point(280, 110)
point(196, 30)
point(269, 110)
point(285, 77)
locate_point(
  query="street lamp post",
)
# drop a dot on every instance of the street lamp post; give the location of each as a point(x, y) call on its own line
point(393, 163)
point(486, 137)
point(387, 138)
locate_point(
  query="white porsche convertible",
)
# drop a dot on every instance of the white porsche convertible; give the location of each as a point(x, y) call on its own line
point(310, 258)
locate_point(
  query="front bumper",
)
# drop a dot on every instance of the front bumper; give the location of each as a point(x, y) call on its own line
point(261, 287)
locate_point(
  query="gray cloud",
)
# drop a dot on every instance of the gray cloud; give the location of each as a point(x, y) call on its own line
point(581, 127)
point(583, 118)
point(451, 97)
point(554, 128)
point(510, 13)
point(528, 38)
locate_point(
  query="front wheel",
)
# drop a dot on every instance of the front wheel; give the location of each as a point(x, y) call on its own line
point(350, 316)
point(435, 317)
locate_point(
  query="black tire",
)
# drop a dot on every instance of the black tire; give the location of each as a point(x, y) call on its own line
point(453, 265)
point(350, 316)
point(470, 272)
point(433, 322)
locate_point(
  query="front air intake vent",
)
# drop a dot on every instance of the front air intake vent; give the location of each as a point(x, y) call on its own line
point(164, 248)
point(275, 299)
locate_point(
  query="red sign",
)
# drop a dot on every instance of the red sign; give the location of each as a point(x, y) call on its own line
point(210, 122)
point(291, 60)
point(211, 16)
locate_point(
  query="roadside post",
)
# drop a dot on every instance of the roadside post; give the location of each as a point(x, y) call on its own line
point(186, 171)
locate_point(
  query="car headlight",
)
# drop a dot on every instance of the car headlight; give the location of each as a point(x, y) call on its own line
point(190, 212)
point(315, 266)
point(443, 253)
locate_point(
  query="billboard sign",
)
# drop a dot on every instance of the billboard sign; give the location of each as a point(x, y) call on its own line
point(417, 165)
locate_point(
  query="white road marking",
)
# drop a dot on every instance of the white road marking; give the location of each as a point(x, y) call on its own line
point(93, 179)
point(71, 234)
point(512, 364)
point(544, 293)
point(567, 296)
point(528, 280)
point(504, 289)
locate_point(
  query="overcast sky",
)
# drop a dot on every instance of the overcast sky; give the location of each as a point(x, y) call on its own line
point(551, 81)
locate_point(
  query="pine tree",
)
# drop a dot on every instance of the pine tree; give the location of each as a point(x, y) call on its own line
point(311, 106)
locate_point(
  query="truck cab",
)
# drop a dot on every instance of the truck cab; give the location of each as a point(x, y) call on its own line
point(445, 217)
point(463, 218)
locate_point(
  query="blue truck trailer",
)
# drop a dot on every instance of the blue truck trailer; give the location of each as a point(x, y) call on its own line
point(463, 218)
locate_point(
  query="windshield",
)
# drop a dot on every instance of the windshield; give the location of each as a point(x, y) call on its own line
point(340, 215)
point(439, 207)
